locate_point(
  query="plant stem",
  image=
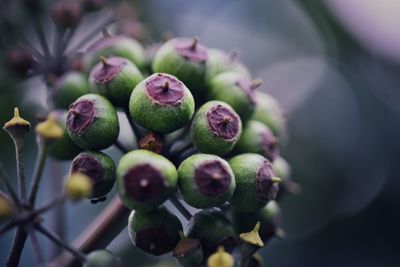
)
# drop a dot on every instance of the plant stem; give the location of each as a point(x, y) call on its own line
point(135, 129)
point(4, 177)
point(53, 237)
point(41, 160)
point(179, 206)
point(20, 170)
point(16, 248)
point(121, 147)
point(103, 229)
point(42, 37)
point(8, 226)
point(35, 245)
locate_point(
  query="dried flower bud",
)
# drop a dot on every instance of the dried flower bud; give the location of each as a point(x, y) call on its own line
point(17, 127)
point(188, 252)
point(78, 186)
point(220, 259)
point(49, 129)
point(152, 142)
point(251, 242)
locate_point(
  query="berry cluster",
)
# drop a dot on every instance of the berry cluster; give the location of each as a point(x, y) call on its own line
point(203, 135)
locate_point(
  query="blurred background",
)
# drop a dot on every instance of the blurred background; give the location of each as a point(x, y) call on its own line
point(334, 65)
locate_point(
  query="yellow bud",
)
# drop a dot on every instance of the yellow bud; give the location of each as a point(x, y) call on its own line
point(5, 209)
point(220, 259)
point(78, 186)
point(17, 127)
point(253, 237)
point(49, 129)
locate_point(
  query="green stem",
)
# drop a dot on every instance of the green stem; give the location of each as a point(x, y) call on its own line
point(20, 170)
point(41, 160)
point(7, 184)
point(178, 205)
point(121, 147)
point(53, 237)
point(16, 248)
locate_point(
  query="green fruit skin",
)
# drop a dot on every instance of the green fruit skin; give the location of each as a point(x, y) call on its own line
point(63, 148)
point(219, 62)
point(269, 217)
point(101, 258)
point(268, 112)
point(167, 60)
point(104, 186)
point(138, 157)
point(245, 168)
point(120, 46)
point(70, 86)
point(223, 88)
point(157, 118)
point(105, 128)
point(119, 89)
point(251, 140)
point(160, 216)
point(203, 137)
point(194, 259)
point(211, 227)
point(189, 189)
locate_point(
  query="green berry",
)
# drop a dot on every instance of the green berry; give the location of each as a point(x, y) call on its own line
point(205, 181)
point(99, 167)
point(188, 252)
point(256, 183)
point(63, 148)
point(213, 229)
point(92, 122)
point(161, 103)
point(115, 78)
point(155, 232)
point(68, 88)
point(219, 61)
point(257, 138)
point(145, 179)
point(186, 59)
point(269, 112)
point(236, 90)
point(102, 258)
point(283, 171)
point(216, 128)
point(119, 46)
point(269, 216)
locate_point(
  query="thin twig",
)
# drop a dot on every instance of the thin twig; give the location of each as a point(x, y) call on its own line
point(4, 177)
point(16, 248)
point(42, 37)
point(41, 160)
point(53, 237)
point(178, 205)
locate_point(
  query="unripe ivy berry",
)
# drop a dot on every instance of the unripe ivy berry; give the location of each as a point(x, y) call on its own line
point(92, 122)
point(188, 252)
point(19, 60)
point(63, 148)
point(99, 167)
point(155, 232)
point(269, 112)
point(102, 258)
point(145, 179)
point(256, 183)
point(220, 259)
point(68, 88)
point(161, 103)
point(213, 229)
point(216, 128)
point(115, 78)
point(258, 138)
point(205, 181)
point(219, 61)
point(93, 5)
point(186, 59)
point(270, 217)
point(283, 171)
point(119, 46)
point(235, 90)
